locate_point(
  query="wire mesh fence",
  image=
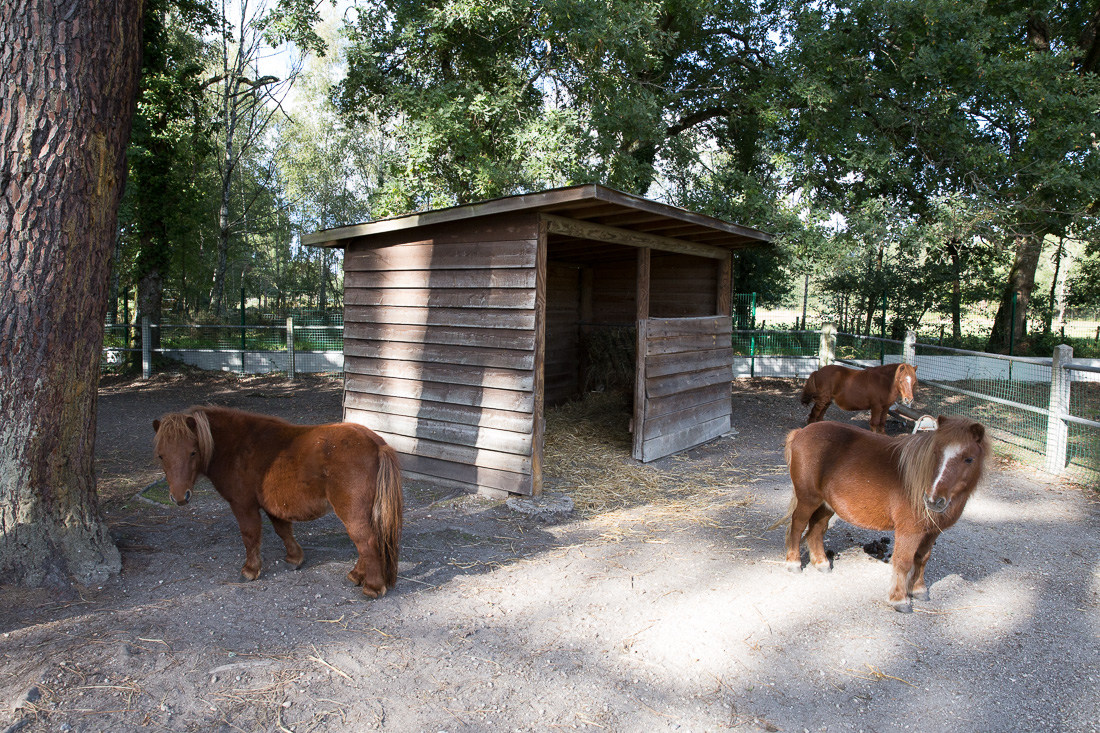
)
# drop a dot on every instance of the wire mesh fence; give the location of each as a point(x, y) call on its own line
point(243, 349)
point(858, 349)
point(1009, 395)
point(1083, 420)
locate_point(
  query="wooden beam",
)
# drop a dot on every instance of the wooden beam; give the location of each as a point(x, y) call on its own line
point(539, 389)
point(642, 338)
point(615, 235)
point(725, 286)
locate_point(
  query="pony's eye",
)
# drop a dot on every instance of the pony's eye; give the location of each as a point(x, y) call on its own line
point(969, 460)
point(193, 455)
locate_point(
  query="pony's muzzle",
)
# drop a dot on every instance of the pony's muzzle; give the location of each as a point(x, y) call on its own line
point(186, 498)
point(936, 505)
point(907, 402)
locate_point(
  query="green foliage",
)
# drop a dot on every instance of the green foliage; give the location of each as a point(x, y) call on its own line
point(495, 97)
point(967, 124)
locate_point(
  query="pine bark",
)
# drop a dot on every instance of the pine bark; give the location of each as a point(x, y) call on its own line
point(68, 77)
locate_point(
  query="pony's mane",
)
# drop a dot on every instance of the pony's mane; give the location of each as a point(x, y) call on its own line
point(902, 369)
point(917, 456)
point(173, 426)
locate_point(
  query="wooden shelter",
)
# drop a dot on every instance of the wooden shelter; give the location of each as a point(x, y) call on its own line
point(462, 324)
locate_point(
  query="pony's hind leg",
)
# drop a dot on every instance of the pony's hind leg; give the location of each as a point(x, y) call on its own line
point(917, 587)
point(295, 556)
point(248, 520)
point(368, 568)
point(799, 519)
point(817, 413)
point(815, 537)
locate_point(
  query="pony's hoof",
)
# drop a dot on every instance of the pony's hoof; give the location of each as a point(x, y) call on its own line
point(248, 576)
point(793, 567)
point(825, 567)
point(296, 565)
point(902, 606)
point(921, 595)
point(372, 593)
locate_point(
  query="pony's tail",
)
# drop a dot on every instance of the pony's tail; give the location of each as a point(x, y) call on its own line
point(794, 498)
point(809, 390)
point(389, 512)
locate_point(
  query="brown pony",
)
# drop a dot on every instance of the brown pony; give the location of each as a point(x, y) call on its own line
point(294, 473)
point(916, 485)
point(860, 389)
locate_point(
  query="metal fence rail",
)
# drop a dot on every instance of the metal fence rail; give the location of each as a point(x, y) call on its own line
point(248, 349)
point(1042, 411)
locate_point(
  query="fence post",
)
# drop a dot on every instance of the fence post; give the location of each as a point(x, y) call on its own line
point(1057, 428)
point(910, 347)
point(290, 347)
point(825, 351)
point(146, 348)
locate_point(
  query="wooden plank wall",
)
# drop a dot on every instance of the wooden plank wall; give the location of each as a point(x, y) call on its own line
point(440, 348)
point(613, 292)
point(688, 367)
point(682, 286)
point(563, 298)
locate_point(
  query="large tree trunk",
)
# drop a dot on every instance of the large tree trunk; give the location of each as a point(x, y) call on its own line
point(68, 76)
point(1021, 281)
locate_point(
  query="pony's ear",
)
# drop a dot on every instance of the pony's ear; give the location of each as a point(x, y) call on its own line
point(156, 425)
point(192, 424)
point(979, 432)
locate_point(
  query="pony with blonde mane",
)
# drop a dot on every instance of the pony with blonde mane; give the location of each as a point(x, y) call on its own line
point(916, 485)
point(874, 389)
point(294, 473)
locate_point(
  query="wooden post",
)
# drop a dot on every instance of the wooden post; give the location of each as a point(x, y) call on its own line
point(641, 321)
point(1057, 428)
point(290, 347)
point(825, 352)
point(725, 285)
point(146, 348)
point(910, 347)
point(538, 438)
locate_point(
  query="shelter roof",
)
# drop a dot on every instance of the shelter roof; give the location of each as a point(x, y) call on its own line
point(603, 209)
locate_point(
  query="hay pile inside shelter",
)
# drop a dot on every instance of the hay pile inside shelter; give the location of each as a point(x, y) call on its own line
point(587, 455)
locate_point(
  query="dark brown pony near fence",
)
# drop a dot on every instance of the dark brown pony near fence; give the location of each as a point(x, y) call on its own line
point(295, 473)
point(873, 389)
point(916, 485)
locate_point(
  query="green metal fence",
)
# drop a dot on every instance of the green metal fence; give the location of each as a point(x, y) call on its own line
point(123, 345)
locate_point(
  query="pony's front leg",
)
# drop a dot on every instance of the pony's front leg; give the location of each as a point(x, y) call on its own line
point(905, 549)
point(878, 419)
point(917, 588)
point(248, 519)
point(295, 556)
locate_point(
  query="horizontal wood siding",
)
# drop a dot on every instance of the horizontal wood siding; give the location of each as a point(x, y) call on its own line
point(683, 286)
point(614, 292)
point(439, 348)
point(688, 368)
point(562, 332)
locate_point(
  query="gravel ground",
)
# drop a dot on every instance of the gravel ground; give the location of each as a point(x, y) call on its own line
point(630, 619)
